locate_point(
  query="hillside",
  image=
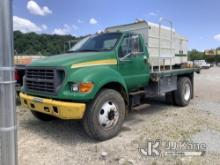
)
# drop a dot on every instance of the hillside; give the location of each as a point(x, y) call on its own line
point(45, 44)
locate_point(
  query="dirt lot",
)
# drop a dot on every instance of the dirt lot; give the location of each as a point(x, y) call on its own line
point(65, 143)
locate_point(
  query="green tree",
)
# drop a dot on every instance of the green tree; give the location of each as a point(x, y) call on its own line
point(45, 44)
point(196, 55)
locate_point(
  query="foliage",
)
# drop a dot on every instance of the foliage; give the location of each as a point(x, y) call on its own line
point(196, 55)
point(217, 58)
point(45, 44)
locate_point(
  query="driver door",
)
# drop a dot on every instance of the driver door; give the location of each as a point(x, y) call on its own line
point(133, 64)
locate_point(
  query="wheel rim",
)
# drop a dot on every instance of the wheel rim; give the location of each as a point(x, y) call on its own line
point(108, 115)
point(187, 92)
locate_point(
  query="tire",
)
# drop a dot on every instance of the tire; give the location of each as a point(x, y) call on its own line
point(183, 94)
point(108, 107)
point(42, 116)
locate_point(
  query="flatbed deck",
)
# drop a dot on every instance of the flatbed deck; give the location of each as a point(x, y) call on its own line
point(156, 74)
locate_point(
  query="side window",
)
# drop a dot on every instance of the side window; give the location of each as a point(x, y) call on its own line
point(124, 49)
point(130, 44)
point(135, 44)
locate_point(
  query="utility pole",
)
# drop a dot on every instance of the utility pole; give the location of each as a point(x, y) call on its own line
point(8, 133)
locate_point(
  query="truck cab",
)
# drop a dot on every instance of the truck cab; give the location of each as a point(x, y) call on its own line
point(101, 78)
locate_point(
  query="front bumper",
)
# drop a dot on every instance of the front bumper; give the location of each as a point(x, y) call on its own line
point(60, 109)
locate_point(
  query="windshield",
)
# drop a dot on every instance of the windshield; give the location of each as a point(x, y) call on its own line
point(100, 42)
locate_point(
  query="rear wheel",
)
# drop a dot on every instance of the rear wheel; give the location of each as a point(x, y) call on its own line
point(105, 115)
point(42, 116)
point(183, 94)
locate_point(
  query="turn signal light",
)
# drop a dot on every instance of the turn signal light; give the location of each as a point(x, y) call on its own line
point(85, 87)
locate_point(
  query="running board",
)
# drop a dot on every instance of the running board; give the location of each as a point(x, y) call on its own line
point(140, 107)
point(137, 93)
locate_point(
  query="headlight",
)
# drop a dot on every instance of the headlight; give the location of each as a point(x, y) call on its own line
point(74, 87)
point(82, 87)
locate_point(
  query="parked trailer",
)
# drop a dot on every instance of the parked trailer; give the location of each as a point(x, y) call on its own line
point(19, 74)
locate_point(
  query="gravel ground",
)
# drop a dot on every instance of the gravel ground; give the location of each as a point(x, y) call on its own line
point(65, 143)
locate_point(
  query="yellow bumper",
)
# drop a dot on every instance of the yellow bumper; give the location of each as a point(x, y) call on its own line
point(60, 109)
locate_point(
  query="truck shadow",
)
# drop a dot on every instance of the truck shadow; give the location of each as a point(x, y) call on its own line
point(60, 132)
point(154, 106)
point(72, 133)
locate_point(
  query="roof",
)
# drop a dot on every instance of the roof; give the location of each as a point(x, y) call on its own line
point(147, 23)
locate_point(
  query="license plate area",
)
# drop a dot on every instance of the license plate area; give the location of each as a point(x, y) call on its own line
point(40, 107)
point(38, 100)
point(43, 108)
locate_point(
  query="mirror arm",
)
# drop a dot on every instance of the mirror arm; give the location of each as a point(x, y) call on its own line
point(123, 58)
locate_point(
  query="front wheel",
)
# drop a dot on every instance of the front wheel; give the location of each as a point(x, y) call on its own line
point(105, 115)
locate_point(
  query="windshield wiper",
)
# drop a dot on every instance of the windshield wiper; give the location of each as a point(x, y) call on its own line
point(88, 50)
point(71, 51)
point(105, 49)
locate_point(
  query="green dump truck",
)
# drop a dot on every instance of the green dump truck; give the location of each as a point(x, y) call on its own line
point(100, 80)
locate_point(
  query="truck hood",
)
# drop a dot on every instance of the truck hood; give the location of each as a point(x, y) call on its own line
point(71, 59)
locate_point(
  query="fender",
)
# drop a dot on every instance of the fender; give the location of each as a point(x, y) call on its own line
point(99, 75)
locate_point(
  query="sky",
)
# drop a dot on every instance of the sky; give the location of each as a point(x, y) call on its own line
point(197, 20)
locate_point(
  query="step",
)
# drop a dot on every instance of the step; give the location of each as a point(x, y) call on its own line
point(137, 93)
point(140, 107)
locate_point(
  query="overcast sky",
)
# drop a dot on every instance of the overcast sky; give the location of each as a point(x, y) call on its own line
point(198, 20)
